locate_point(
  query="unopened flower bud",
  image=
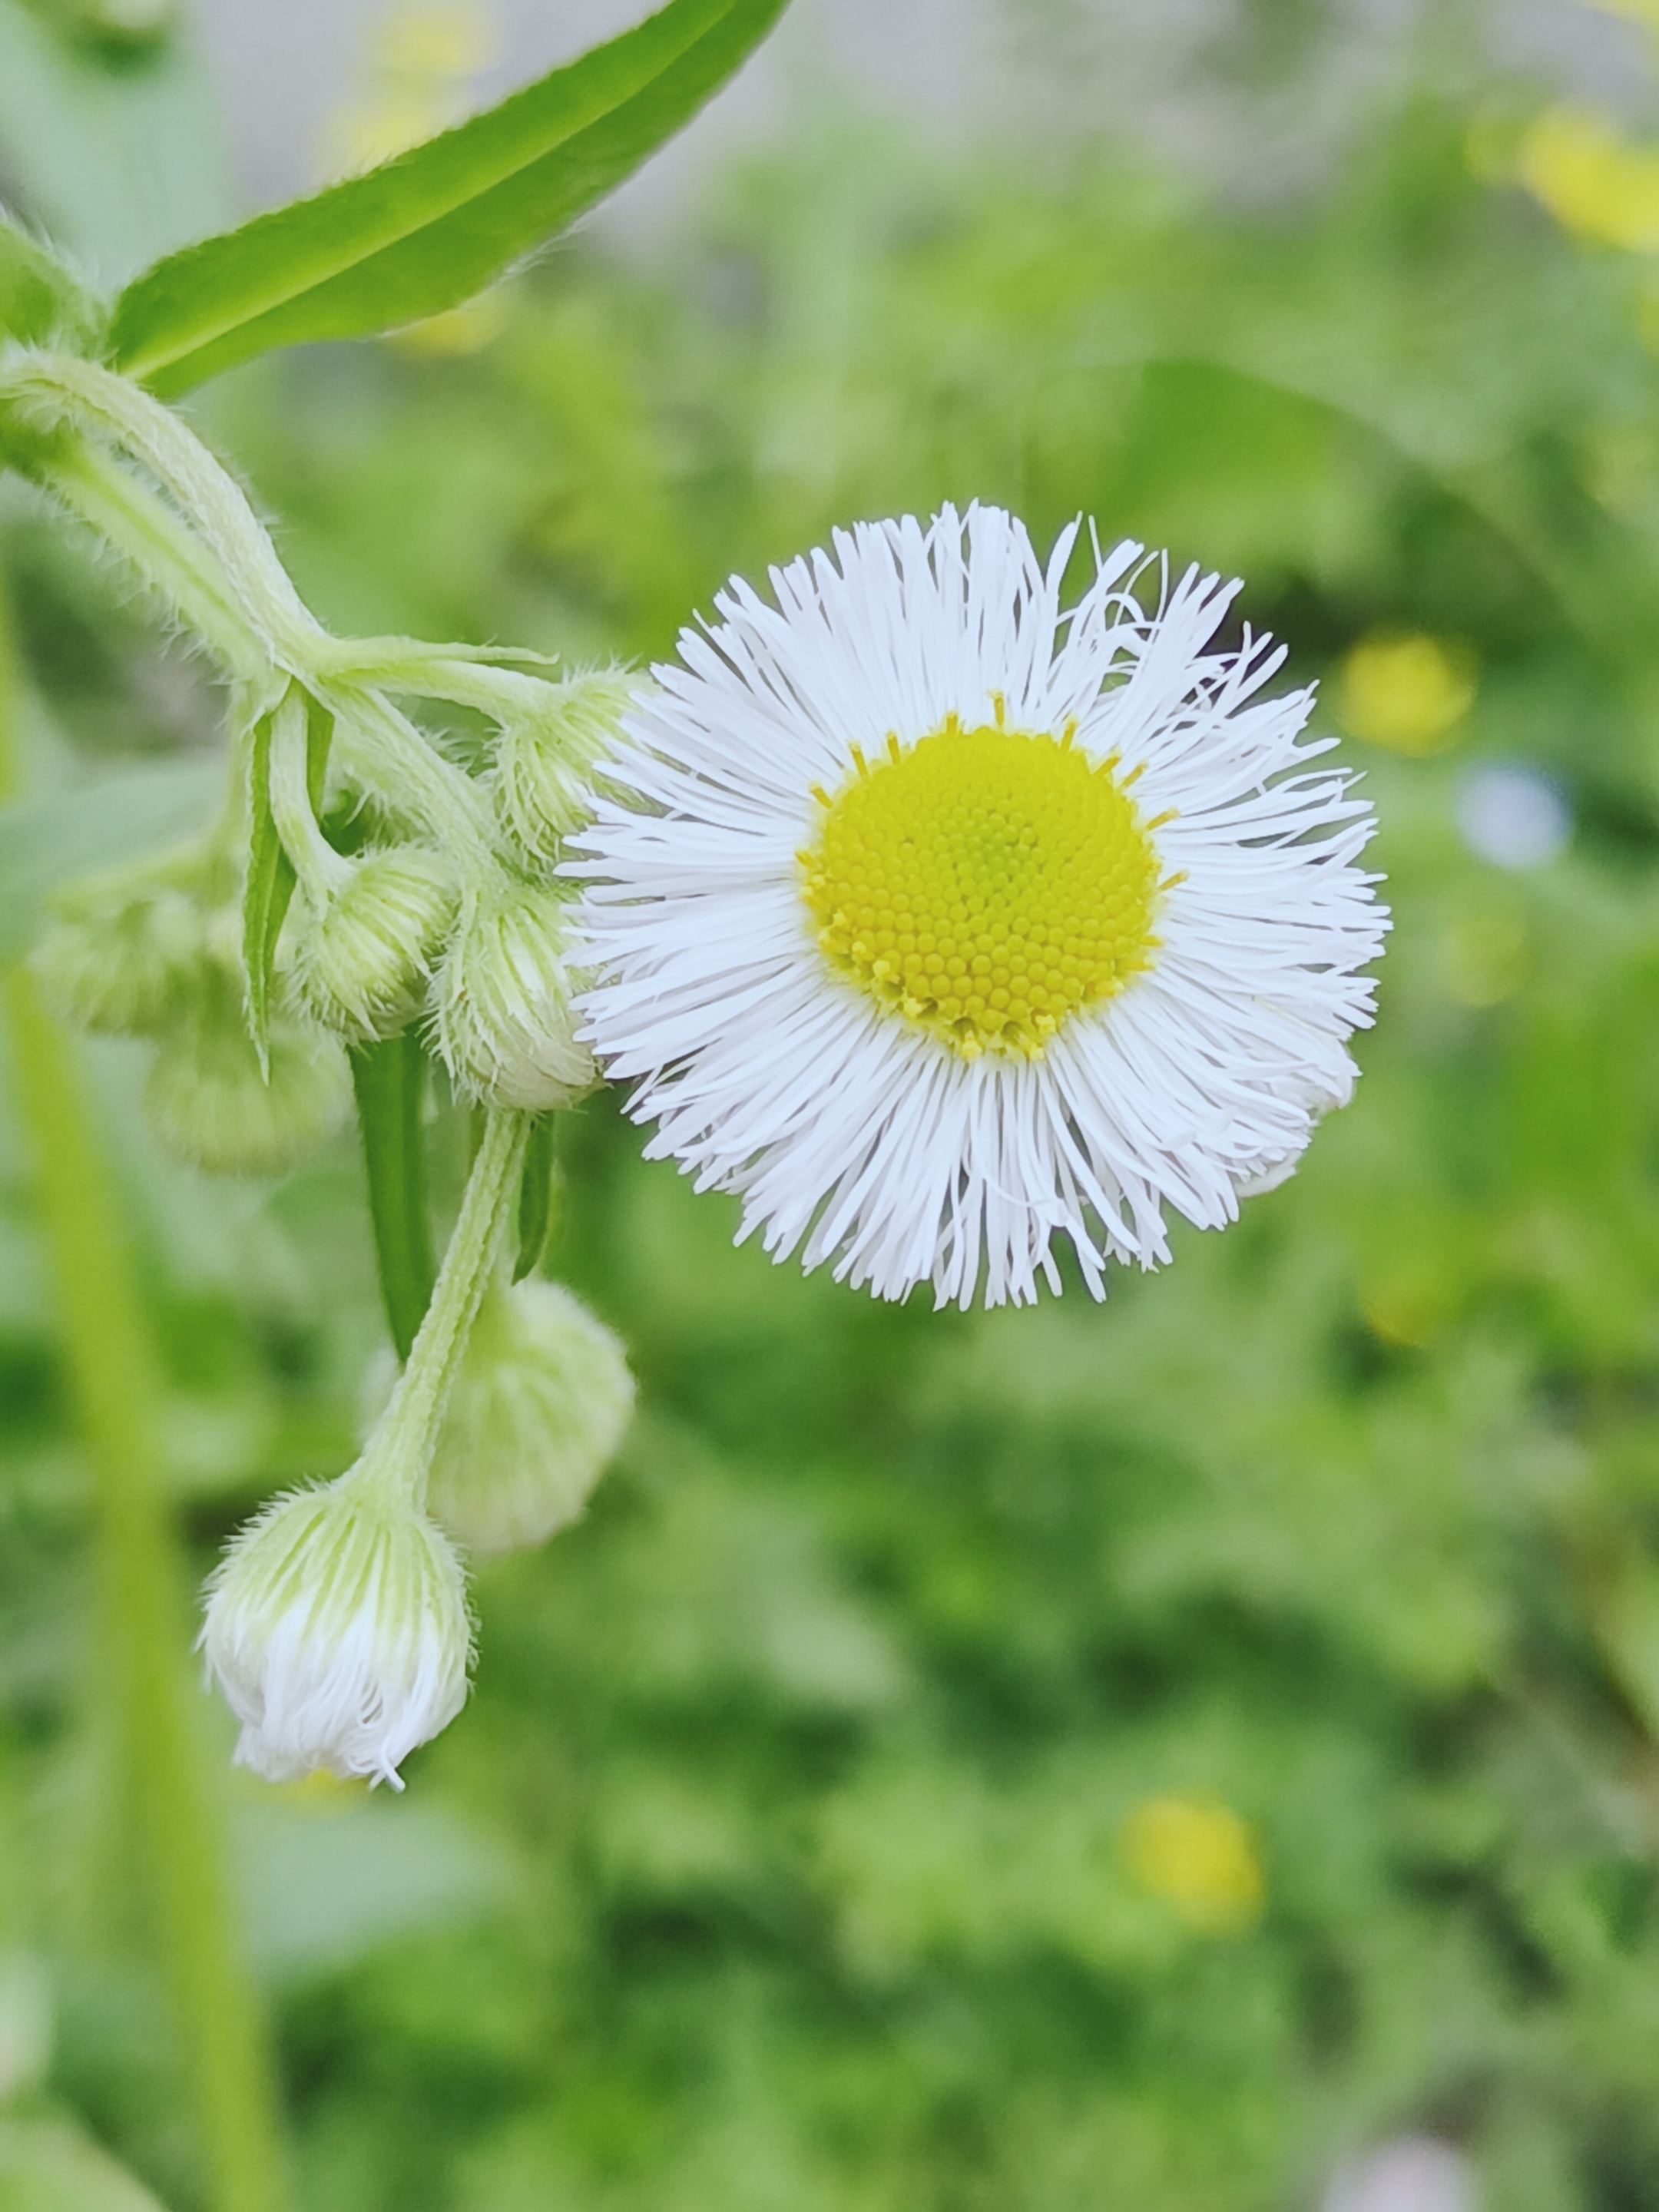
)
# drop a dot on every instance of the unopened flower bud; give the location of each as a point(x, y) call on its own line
point(545, 763)
point(337, 1627)
point(122, 965)
point(540, 1404)
point(501, 1000)
point(212, 1105)
point(363, 959)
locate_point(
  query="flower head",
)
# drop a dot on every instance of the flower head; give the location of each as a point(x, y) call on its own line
point(362, 959)
point(337, 1625)
point(537, 1409)
point(123, 963)
point(544, 761)
point(940, 922)
point(501, 1009)
point(211, 1103)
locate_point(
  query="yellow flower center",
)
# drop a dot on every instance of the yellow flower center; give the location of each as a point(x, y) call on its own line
point(984, 883)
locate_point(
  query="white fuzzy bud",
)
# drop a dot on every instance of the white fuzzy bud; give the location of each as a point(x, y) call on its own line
point(212, 1105)
point(541, 1403)
point(337, 1627)
point(501, 1000)
point(123, 966)
point(546, 761)
point(362, 959)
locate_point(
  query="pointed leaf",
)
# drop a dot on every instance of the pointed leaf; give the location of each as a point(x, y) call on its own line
point(430, 228)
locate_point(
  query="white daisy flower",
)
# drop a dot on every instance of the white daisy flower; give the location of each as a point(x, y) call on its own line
point(941, 922)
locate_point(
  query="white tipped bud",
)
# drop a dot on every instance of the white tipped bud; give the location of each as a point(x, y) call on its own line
point(501, 1000)
point(212, 1105)
point(540, 1404)
point(362, 960)
point(123, 966)
point(546, 763)
point(337, 1627)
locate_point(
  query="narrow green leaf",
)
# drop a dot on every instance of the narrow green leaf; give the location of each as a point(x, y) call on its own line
point(268, 888)
point(44, 842)
point(536, 1197)
point(432, 228)
point(390, 1080)
point(42, 299)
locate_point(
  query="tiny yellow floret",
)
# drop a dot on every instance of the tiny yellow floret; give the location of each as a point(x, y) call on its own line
point(1593, 183)
point(985, 884)
point(1406, 691)
point(1197, 1854)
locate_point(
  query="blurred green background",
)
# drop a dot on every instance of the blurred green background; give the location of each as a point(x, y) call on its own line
point(1156, 1757)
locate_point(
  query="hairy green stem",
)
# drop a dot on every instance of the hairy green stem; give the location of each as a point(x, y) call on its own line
point(401, 1448)
point(95, 487)
point(57, 389)
point(144, 1611)
point(397, 762)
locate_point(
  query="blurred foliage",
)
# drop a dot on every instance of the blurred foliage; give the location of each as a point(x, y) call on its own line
point(1043, 1761)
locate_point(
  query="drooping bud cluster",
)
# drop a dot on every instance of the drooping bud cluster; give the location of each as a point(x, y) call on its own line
point(365, 876)
point(541, 1403)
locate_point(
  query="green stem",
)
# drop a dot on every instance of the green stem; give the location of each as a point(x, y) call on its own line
point(113, 1368)
point(401, 1448)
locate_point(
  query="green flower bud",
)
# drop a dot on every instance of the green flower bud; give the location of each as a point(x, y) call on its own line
point(123, 963)
point(541, 1403)
point(337, 1626)
point(212, 1105)
point(501, 1000)
point(362, 959)
point(545, 763)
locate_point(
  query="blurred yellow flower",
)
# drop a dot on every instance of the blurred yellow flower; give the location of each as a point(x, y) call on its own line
point(1593, 184)
point(455, 333)
point(1637, 11)
point(422, 57)
point(1406, 691)
point(1197, 1855)
point(1484, 956)
point(1404, 1309)
point(442, 42)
